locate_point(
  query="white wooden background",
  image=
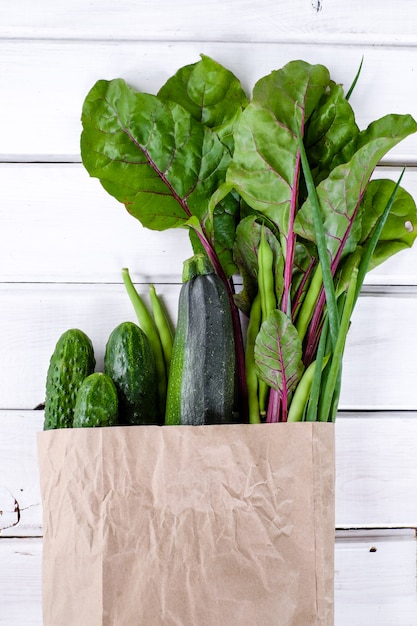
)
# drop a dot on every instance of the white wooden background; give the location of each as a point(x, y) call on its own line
point(63, 242)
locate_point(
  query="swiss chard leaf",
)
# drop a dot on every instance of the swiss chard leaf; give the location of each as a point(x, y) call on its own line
point(210, 93)
point(265, 166)
point(400, 229)
point(151, 155)
point(331, 133)
point(161, 163)
point(340, 194)
point(214, 97)
point(278, 353)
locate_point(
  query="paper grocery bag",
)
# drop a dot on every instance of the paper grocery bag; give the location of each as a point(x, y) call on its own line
point(229, 525)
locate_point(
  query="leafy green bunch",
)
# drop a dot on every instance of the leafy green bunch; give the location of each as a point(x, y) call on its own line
point(277, 189)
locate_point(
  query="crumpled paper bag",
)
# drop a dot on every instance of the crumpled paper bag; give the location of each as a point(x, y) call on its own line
point(188, 525)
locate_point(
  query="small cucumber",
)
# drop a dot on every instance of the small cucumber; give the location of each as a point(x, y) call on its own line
point(71, 362)
point(130, 363)
point(201, 384)
point(96, 403)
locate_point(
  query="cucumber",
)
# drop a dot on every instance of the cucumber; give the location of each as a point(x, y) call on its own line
point(71, 362)
point(96, 403)
point(130, 363)
point(201, 384)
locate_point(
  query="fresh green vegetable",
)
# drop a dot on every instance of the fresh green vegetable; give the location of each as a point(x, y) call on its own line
point(312, 398)
point(163, 326)
point(96, 403)
point(266, 277)
point(71, 362)
point(313, 194)
point(337, 354)
point(299, 401)
point(291, 160)
point(201, 386)
point(268, 302)
point(254, 324)
point(147, 324)
point(176, 148)
point(320, 236)
point(280, 363)
point(130, 363)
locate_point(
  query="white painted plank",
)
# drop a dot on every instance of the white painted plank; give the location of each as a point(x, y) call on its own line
point(371, 588)
point(21, 582)
point(74, 231)
point(227, 20)
point(379, 361)
point(20, 499)
point(34, 316)
point(375, 579)
point(45, 82)
point(9, 511)
point(376, 470)
point(378, 369)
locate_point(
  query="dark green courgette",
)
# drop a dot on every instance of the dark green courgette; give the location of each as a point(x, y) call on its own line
point(201, 384)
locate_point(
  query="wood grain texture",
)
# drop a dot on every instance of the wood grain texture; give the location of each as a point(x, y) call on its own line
point(47, 82)
point(73, 231)
point(21, 582)
point(64, 227)
point(376, 465)
point(231, 20)
point(380, 588)
point(36, 315)
point(379, 363)
point(20, 498)
point(378, 366)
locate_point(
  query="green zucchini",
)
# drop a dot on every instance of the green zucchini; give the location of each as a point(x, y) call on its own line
point(201, 384)
point(130, 363)
point(96, 403)
point(71, 362)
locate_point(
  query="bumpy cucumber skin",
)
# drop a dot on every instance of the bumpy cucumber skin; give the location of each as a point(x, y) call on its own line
point(201, 386)
point(97, 403)
point(130, 363)
point(71, 362)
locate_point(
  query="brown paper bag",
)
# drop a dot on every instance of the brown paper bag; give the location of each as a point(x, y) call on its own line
point(188, 525)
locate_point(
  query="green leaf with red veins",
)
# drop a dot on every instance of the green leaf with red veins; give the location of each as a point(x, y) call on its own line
point(210, 93)
point(400, 229)
point(278, 353)
point(331, 133)
point(340, 195)
point(151, 155)
point(265, 167)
